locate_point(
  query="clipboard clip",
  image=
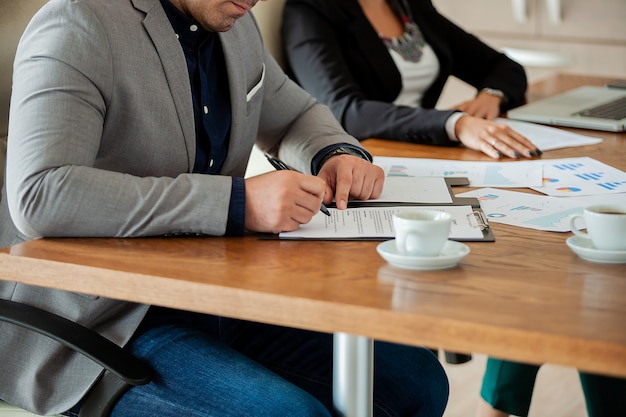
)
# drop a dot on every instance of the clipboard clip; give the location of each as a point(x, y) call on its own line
point(478, 219)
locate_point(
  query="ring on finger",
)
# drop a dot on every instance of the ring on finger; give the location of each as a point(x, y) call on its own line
point(494, 142)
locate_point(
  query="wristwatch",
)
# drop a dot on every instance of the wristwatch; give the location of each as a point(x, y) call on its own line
point(494, 92)
point(341, 150)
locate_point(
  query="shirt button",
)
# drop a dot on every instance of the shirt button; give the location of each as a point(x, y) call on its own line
point(211, 163)
point(193, 28)
point(205, 109)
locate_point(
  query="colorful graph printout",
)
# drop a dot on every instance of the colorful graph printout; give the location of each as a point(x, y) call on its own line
point(573, 177)
point(531, 211)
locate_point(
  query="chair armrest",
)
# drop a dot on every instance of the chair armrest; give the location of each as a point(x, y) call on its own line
point(78, 338)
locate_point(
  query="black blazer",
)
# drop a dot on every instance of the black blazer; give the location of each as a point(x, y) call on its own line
point(332, 51)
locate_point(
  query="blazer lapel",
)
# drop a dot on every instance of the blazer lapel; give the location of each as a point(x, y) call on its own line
point(236, 69)
point(160, 31)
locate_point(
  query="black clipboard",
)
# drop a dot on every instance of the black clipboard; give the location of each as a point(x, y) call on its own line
point(478, 216)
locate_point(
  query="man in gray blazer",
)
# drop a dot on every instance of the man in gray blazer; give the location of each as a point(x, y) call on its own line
point(137, 118)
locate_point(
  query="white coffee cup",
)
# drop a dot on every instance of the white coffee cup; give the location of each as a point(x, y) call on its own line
point(421, 232)
point(606, 226)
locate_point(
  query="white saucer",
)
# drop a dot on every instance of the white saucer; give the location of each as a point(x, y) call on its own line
point(450, 255)
point(585, 249)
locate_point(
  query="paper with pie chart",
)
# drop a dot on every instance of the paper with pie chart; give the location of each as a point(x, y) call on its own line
point(531, 211)
point(572, 177)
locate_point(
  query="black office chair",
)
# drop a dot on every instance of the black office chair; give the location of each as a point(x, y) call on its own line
point(122, 370)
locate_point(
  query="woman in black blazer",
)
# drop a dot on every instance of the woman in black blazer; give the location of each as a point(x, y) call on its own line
point(335, 50)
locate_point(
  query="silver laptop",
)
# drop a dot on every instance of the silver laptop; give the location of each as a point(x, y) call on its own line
point(599, 108)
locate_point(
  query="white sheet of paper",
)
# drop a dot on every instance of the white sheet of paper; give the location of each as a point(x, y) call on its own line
point(547, 138)
point(531, 211)
point(432, 190)
point(480, 173)
point(376, 223)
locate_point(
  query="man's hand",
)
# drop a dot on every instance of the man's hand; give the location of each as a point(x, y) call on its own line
point(493, 139)
point(350, 176)
point(281, 201)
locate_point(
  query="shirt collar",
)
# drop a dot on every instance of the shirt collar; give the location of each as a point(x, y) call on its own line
point(189, 32)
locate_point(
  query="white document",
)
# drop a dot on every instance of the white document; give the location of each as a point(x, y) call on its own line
point(431, 190)
point(575, 177)
point(516, 174)
point(547, 138)
point(376, 223)
point(531, 211)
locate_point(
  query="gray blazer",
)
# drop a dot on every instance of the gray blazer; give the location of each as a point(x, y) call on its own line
point(102, 143)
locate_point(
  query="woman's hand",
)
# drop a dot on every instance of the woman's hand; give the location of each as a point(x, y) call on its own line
point(493, 139)
point(484, 106)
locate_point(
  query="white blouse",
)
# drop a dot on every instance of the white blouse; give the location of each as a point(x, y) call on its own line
point(416, 76)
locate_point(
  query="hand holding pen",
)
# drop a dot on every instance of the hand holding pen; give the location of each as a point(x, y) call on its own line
point(281, 166)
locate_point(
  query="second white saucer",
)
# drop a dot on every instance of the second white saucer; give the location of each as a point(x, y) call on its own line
point(585, 249)
point(450, 255)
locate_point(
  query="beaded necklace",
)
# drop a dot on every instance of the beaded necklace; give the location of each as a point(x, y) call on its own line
point(411, 44)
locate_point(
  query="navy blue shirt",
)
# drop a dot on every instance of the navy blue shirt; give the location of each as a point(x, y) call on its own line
point(211, 105)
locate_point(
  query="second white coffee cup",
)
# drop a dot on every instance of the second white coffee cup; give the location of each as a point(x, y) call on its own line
point(606, 226)
point(421, 232)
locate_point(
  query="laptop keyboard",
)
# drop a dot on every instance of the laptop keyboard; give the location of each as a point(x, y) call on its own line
point(613, 110)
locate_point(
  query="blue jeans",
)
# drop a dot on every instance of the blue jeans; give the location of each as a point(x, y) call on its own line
point(214, 366)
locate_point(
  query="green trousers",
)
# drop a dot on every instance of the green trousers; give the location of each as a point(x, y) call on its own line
point(508, 386)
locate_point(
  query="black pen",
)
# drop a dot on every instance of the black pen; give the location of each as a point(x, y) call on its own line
point(281, 166)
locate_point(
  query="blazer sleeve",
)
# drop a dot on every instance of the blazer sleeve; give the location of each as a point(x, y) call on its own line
point(317, 63)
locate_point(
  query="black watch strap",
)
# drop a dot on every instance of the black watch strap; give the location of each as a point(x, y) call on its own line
point(341, 150)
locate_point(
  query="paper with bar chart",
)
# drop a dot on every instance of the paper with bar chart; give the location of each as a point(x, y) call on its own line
point(531, 211)
point(572, 177)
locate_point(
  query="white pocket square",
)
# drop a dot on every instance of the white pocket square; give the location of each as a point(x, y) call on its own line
point(257, 87)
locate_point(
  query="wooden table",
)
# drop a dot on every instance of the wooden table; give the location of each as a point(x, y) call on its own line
point(526, 297)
